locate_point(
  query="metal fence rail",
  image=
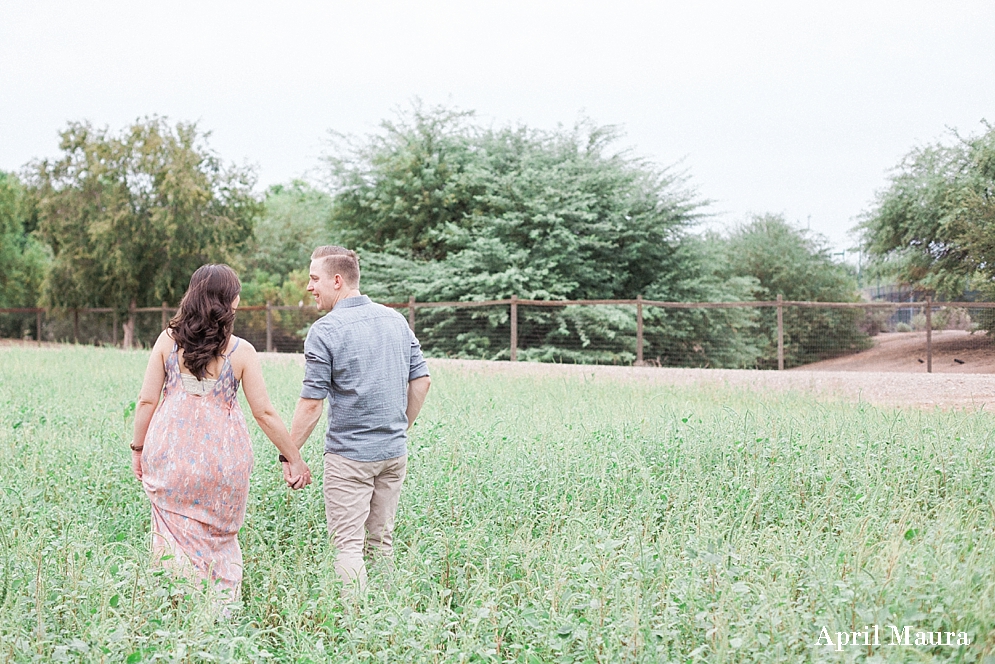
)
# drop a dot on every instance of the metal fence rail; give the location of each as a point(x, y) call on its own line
point(753, 334)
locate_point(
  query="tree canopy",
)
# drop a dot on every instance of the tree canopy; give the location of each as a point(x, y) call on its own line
point(934, 224)
point(441, 207)
point(129, 217)
point(22, 257)
point(295, 220)
point(788, 261)
point(561, 214)
point(446, 209)
point(796, 264)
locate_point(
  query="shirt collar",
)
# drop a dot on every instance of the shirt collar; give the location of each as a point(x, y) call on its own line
point(357, 301)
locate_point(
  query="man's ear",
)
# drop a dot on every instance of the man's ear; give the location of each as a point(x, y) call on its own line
point(338, 282)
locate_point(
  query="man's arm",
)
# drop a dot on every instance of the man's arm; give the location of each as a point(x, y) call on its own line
point(306, 416)
point(417, 391)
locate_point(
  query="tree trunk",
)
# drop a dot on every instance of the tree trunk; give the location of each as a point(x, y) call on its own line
point(129, 328)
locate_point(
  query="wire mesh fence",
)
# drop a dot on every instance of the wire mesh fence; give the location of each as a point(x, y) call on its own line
point(744, 335)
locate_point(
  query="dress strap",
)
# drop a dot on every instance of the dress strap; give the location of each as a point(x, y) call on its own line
point(233, 348)
point(175, 347)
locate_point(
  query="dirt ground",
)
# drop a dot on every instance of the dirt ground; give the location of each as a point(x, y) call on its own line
point(880, 388)
point(889, 374)
point(886, 375)
point(954, 351)
point(919, 390)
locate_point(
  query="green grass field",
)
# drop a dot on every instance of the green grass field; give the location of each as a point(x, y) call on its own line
point(543, 519)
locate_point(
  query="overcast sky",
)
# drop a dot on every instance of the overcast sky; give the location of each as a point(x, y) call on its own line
point(792, 107)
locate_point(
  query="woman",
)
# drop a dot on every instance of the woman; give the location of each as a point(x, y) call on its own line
point(191, 450)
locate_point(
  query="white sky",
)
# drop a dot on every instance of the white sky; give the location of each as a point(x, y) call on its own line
point(794, 107)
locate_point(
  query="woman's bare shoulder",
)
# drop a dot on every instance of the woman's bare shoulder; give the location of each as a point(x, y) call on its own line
point(241, 353)
point(164, 341)
point(162, 347)
point(239, 345)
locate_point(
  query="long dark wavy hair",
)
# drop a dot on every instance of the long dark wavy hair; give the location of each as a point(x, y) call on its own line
point(202, 327)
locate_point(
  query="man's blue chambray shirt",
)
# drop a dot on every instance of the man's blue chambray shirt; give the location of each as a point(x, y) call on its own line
point(361, 355)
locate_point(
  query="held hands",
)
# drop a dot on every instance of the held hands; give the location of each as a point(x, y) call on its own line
point(297, 475)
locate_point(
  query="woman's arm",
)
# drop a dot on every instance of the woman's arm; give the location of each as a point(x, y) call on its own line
point(267, 418)
point(148, 398)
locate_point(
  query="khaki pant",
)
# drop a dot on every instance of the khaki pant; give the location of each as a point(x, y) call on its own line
point(361, 496)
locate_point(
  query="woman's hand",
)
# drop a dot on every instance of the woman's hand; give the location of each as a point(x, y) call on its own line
point(297, 475)
point(136, 464)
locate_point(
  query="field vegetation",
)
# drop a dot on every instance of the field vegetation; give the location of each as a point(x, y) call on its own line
point(543, 520)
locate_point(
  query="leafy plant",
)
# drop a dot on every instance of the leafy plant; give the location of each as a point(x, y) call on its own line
point(560, 517)
point(934, 224)
point(447, 210)
point(23, 259)
point(129, 217)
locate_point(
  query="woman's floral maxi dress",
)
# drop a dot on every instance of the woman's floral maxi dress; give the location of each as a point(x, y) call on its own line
point(195, 469)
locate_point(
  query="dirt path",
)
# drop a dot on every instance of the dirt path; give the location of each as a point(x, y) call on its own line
point(896, 380)
point(882, 388)
point(954, 351)
point(948, 391)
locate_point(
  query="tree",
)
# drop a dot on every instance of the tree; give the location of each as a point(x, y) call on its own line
point(22, 257)
point(397, 191)
point(447, 210)
point(129, 217)
point(934, 224)
point(295, 220)
point(558, 214)
point(784, 260)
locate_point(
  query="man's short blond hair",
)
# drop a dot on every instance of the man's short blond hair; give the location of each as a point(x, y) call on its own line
point(339, 260)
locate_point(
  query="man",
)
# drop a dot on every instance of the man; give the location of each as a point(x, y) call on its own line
point(366, 360)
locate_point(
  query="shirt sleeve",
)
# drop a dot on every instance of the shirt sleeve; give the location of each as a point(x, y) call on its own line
point(317, 367)
point(418, 367)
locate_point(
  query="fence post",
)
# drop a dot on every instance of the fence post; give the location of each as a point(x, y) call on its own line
point(114, 330)
point(639, 330)
point(780, 333)
point(514, 328)
point(269, 327)
point(75, 326)
point(165, 314)
point(929, 334)
point(128, 338)
point(411, 312)
point(38, 324)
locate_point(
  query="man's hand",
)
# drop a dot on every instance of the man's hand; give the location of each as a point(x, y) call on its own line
point(296, 475)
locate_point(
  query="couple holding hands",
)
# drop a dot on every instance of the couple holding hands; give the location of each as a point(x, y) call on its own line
point(191, 447)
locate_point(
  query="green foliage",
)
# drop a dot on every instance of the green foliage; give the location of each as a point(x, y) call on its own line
point(400, 190)
point(261, 287)
point(447, 210)
point(295, 221)
point(22, 258)
point(723, 338)
point(934, 224)
point(550, 215)
point(796, 264)
point(543, 519)
point(130, 217)
point(789, 261)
